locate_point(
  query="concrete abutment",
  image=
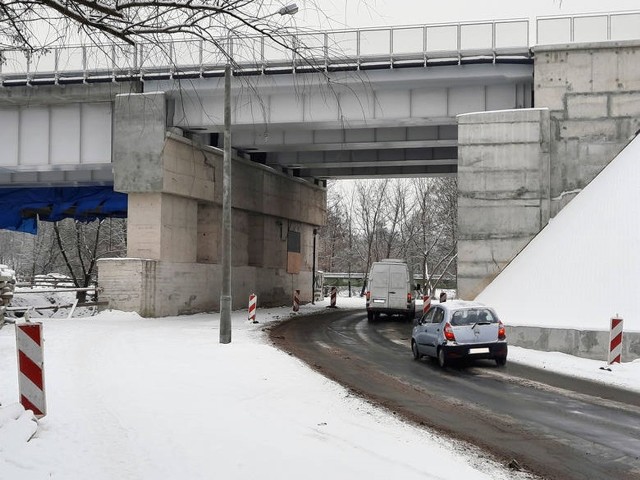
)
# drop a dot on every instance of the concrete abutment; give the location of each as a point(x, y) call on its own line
point(518, 168)
point(174, 231)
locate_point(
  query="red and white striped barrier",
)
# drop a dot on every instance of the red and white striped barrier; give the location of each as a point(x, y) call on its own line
point(615, 341)
point(29, 344)
point(296, 300)
point(334, 296)
point(426, 303)
point(253, 301)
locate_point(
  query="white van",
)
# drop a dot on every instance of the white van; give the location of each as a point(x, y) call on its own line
point(389, 290)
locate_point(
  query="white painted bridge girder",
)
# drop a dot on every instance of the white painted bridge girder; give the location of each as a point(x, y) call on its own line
point(313, 124)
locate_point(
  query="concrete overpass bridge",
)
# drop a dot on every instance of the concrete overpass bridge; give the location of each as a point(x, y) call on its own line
point(524, 127)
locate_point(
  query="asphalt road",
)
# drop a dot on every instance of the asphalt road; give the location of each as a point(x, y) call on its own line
point(554, 426)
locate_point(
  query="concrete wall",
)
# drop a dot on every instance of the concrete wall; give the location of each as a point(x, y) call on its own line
point(156, 288)
point(174, 227)
point(503, 190)
point(593, 93)
point(513, 175)
point(581, 343)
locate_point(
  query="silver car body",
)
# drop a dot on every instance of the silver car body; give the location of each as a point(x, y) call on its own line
point(474, 330)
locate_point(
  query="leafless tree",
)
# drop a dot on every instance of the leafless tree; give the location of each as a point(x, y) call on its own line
point(82, 244)
point(334, 234)
point(369, 212)
point(36, 24)
point(435, 224)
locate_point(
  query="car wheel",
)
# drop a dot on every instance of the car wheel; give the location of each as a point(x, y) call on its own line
point(501, 361)
point(370, 316)
point(442, 359)
point(414, 349)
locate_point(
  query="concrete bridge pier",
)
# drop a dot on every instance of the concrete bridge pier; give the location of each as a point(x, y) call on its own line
point(174, 226)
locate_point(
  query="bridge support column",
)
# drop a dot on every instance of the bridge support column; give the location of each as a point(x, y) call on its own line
point(174, 231)
point(503, 190)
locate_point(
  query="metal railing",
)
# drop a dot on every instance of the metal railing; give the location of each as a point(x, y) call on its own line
point(596, 27)
point(357, 47)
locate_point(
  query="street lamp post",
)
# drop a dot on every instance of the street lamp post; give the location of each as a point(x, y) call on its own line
point(225, 293)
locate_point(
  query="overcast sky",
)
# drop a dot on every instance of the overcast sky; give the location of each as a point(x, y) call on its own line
point(363, 13)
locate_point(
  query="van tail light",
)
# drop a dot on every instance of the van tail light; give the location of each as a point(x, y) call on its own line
point(368, 295)
point(448, 332)
point(502, 332)
point(409, 297)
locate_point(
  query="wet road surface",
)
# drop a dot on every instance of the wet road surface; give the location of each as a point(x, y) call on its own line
point(554, 426)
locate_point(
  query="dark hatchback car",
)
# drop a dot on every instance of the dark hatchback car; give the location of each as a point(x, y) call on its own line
point(458, 330)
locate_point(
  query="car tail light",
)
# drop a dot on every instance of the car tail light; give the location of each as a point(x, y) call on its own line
point(448, 332)
point(409, 297)
point(502, 332)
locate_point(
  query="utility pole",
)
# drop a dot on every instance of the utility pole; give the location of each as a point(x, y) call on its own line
point(225, 291)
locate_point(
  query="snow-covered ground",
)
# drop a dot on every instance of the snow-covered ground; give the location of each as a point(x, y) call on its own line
point(134, 398)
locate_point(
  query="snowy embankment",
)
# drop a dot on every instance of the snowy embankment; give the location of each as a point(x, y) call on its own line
point(582, 268)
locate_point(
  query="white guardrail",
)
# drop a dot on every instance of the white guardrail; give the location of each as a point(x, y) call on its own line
point(341, 48)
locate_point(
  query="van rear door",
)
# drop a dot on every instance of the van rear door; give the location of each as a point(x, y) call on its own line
point(398, 281)
point(379, 279)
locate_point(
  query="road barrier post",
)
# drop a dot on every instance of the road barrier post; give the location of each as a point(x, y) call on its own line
point(296, 300)
point(334, 296)
point(615, 341)
point(29, 342)
point(426, 303)
point(253, 300)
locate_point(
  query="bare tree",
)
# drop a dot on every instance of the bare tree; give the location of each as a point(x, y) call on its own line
point(369, 203)
point(435, 224)
point(334, 234)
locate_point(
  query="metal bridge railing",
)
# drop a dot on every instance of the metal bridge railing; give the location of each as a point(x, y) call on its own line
point(597, 27)
point(356, 48)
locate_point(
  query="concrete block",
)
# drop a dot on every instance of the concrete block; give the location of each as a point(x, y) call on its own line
point(138, 140)
point(629, 127)
point(549, 96)
point(491, 133)
point(550, 69)
point(605, 71)
point(518, 115)
point(591, 344)
point(499, 221)
point(579, 71)
point(587, 106)
point(625, 104)
point(498, 157)
point(493, 250)
point(601, 129)
point(629, 69)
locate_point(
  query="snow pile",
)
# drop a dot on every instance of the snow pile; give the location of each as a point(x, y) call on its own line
point(582, 268)
point(7, 285)
point(17, 426)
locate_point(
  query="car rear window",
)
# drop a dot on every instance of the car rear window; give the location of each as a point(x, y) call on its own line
point(471, 316)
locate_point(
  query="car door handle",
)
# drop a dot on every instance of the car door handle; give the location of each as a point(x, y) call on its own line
point(392, 292)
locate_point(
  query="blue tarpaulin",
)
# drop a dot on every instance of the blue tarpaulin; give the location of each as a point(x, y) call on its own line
point(21, 207)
